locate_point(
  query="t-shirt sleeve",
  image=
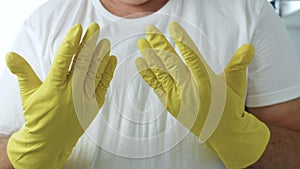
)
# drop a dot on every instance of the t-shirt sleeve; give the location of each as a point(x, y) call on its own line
point(274, 72)
point(11, 113)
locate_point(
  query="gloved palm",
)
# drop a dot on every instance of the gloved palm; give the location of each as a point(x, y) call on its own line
point(52, 123)
point(235, 135)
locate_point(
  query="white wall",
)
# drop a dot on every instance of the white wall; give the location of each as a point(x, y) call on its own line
point(292, 23)
point(12, 14)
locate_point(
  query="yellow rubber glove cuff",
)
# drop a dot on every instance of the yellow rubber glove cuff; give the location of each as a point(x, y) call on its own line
point(52, 123)
point(236, 136)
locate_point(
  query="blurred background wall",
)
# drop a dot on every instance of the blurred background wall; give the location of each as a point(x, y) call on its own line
point(290, 13)
point(12, 14)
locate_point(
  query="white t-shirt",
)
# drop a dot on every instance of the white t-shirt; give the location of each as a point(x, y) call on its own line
point(133, 130)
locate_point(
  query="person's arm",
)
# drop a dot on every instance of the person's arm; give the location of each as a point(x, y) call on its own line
point(286, 115)
point(4, 161)
point(283, 150)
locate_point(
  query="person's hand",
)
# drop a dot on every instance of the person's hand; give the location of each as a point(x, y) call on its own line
point(239, 138)
point(54, 118)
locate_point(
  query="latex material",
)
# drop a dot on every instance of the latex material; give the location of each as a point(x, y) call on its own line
point(239, 138)
point(52, 127)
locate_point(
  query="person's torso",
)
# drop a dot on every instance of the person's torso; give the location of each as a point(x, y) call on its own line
point(133, 130)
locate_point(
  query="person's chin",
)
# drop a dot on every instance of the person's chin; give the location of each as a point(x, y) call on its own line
point(133, 2)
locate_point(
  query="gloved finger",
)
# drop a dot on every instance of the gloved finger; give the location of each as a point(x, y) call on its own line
point(165, 51)
point(235, 71)
point(105, 80)
point(28, 80)
point(93, 75)
point(103, 52)
point(149, 54)
point(176, 69)
point(151, 59)
point(167, 68)
point(59, 70)
point(91, 31)
point(158, 41)
point(84, 58)
point(193, 58)
point(148, 74)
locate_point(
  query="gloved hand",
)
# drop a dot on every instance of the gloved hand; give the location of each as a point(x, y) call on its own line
point(238, 137)
point(52, 123)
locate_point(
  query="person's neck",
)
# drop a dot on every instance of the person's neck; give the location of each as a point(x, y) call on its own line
point(120, 9)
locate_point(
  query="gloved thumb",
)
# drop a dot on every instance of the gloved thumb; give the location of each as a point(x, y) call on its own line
point(28, 80)
point(235, 71)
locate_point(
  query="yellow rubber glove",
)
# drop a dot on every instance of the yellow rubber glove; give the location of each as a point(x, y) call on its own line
point(236, 136)
point(52, 127)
